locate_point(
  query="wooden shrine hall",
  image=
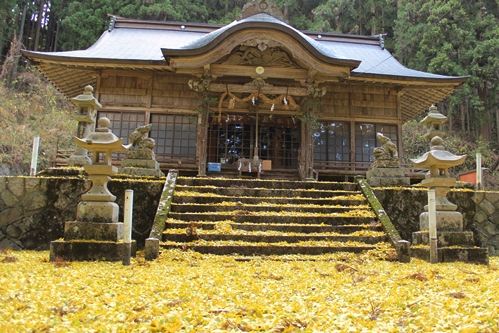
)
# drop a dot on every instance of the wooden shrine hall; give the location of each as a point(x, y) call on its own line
point(256, 89)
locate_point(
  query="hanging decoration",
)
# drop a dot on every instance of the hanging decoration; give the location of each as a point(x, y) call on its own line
point(284, 99)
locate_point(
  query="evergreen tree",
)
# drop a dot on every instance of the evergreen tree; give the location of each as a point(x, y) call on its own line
point(450, 37)
point(454, 37)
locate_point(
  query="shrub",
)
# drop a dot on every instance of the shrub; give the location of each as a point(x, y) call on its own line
point(33, 107)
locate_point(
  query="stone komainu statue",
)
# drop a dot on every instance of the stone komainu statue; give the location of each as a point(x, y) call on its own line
point(387, 155)
point(142, 146)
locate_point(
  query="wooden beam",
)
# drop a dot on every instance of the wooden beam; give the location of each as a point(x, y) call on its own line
point(408, 83)
point(268, 90)
point(250, 71)
point(151, 110)
point(89, 64)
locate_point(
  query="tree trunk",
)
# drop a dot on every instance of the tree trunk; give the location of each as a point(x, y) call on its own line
point(497, 125)
point(486, 119)
point(39, 24)
point(463, 118)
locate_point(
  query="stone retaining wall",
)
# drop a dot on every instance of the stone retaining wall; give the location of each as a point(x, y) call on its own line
point(486, 220)
point(480, 212)
point(33, 210)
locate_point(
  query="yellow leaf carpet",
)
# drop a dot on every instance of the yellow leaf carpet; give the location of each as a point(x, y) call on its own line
point(190, 292)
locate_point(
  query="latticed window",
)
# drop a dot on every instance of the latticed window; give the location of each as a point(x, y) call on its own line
point(365, 140)
point(123, 123)
point(234, 138)
point(175, 137)
point(230, 142)
point(332, 144)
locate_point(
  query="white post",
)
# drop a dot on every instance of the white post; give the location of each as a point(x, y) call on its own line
point(34, 155)
point(432, 221)
point(127, 228)
point(479, 185)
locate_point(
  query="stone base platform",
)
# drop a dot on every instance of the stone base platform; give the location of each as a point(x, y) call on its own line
point(444, 238)
point(93, 231)
point(141, 172)
point(453, 254)
point(445, 221)
point(89, 250)
point(387, 177)
point(140, 167)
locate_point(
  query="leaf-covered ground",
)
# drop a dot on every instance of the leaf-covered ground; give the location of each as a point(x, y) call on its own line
point(189, 292)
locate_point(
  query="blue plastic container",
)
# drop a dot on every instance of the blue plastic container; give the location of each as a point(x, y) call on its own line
point(214, 167)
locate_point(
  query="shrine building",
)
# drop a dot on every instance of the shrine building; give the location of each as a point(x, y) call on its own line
point(258, 89)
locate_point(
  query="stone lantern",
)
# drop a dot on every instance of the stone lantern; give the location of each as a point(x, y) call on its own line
point(98, 198)
point(438, 161)
point(433, 122)
point(87, 105)
point(454, 244)
point(96, 233)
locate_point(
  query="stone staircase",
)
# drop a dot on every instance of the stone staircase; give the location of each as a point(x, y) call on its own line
point(249, 217)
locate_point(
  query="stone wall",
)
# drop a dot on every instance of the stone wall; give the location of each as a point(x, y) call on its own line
point(486, 220)
point(480, 212)
point(33, 210)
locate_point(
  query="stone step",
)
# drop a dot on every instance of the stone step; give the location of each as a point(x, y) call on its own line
point(246, 216)
point(234, 206)
point(452, 254)
point(233, 173)
point(252, 249)
point(288, 227)
point(270, 217)
point(264, 192)
point(341, 200)
point(270, 184)
point(179, 235)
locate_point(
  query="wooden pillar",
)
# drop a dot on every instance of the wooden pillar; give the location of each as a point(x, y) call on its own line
point(400, 146)
point(352, 145)
point(306, 158)
point(202, 136)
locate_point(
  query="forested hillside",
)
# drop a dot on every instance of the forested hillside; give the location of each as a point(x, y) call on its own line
point(451, 37)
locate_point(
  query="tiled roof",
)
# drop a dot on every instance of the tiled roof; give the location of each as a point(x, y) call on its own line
point(139, 44)
point(133, 42)
point(261, 20)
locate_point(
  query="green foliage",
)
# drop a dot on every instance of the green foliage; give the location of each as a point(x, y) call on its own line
point(355, 17)
point(84, 22)
point(456, 142)
point(460, 38)
point(33, 108)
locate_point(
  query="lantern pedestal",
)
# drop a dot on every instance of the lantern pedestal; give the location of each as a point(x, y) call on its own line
point(96, 234)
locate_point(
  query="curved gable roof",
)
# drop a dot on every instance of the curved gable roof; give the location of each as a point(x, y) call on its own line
point(259, 21)
point(141, 45)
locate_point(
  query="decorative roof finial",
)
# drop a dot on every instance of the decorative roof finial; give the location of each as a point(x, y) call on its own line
point(261, 6)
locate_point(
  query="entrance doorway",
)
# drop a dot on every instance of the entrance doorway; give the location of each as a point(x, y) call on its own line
point(234, 138)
